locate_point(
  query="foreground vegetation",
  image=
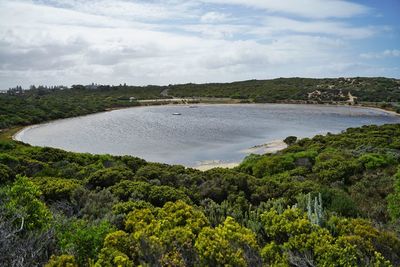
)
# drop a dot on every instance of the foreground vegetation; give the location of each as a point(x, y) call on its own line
point(327, 201)
point(24, 107)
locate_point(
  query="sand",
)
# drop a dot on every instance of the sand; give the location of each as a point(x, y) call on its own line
point(270, 147)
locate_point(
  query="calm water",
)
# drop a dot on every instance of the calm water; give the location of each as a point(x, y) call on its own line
point(204, 133)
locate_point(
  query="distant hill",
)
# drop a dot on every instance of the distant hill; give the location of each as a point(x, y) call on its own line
point(300, 89)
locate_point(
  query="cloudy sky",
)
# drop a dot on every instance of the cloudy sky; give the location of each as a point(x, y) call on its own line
point(67, 42)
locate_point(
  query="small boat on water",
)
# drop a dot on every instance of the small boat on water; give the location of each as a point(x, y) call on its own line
point(192, 106)
point(176, 113)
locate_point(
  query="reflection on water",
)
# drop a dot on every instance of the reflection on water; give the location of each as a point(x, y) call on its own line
point(206, 133)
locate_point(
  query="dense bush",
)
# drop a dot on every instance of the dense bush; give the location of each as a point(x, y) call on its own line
point(56, 188)
point(38, 105)
point(394, 199)
point(105, 210)
point(81, 239)
point(284, 89)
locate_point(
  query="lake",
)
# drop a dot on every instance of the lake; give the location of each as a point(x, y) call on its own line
point(201, 134)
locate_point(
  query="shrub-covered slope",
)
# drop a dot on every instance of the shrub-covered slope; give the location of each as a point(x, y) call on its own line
point(327, 201)
point(303, 89)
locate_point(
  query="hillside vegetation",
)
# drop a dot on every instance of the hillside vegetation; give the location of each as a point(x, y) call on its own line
point(327, 201)
point(300, 89)
point(39, 105)
point(24, 107)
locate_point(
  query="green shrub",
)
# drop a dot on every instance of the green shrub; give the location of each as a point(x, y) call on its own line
point(374, 160)
point(81, 238)
point(56, 188)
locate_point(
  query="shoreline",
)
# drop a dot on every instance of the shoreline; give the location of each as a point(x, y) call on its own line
point(216, 164)
point(226, 101)
point(269, 147)
point(380, 109)
point(14, 135)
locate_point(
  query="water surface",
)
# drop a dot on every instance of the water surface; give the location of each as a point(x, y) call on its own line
point(205, 133)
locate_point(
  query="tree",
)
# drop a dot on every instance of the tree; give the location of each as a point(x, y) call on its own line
point(62, 261)
point(81, 239)
point(22, 200)
point(290, 140)
point(153, 236)
point(228, 244)
point(6, 174)
point(293, 239)
point(108, 177)
point(54, 189)
point(26, 237)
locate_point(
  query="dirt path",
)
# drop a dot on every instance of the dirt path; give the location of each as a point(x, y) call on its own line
point(165, 92)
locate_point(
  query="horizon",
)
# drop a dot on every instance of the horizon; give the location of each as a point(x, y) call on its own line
point(176, 84)
point(203, 41)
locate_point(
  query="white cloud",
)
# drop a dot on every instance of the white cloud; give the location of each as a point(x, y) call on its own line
point(323, 27)
point(214, 17)
point(168, 41)
point(219, 31)
point(388, 53)
point(392, 53)
point(129, 10)
point(303, 8)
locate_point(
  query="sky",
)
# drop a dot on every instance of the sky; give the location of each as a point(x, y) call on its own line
point(65, 42)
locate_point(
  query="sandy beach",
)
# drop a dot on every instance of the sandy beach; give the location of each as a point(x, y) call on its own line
point(216, 164)
point(270, 147)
